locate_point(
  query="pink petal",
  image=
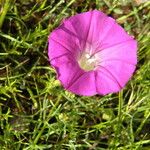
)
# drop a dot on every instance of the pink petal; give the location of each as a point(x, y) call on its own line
point(104, 31)
point(56, 50)
point(119, 71)
point(62, 42)
point(84, 85)
point(70, 36)
point(115, 35)
point(99, 27)
point(67, 69)
point(125, 52)
point(79, 25)
point(117, 64)
point(105, 82)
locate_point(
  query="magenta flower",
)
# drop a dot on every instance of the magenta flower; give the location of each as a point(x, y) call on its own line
point(92, 54)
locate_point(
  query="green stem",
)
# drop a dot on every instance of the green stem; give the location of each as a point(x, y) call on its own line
point(120, 107)
point(45, 123)
point(4, 12)
point(119, 119)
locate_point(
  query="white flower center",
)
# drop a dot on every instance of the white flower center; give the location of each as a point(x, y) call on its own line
point(88, 61)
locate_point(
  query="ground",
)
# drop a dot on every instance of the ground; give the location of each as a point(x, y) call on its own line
point(37, 113)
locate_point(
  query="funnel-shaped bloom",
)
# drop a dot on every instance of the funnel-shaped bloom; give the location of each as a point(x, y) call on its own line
point(92, 54)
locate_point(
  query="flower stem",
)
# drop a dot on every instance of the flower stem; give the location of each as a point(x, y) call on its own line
point(119, 120)
point(120, 107)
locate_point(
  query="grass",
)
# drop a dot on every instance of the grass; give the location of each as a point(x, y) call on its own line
point(36, 113)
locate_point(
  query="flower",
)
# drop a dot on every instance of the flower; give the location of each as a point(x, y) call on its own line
point(92, 54)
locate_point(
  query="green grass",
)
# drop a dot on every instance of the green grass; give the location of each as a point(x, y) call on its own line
point(36, 113)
